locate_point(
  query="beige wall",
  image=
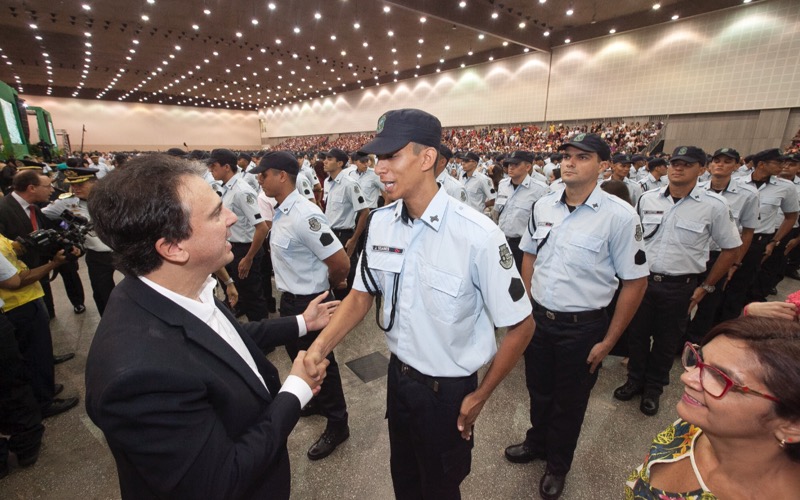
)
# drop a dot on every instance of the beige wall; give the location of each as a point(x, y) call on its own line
point(116, 126)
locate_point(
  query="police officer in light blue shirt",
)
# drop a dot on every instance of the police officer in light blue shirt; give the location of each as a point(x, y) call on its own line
point(444, 179)
point(307, 260)
point(678, 221)
point(580, 239)
point(480, 190)
point(437, 306)
point(516, 195)
point(656, 178)
point(367, 180)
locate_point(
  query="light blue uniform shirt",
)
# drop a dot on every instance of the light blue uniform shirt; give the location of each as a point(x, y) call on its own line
point(455, 275)
point(743, 202)
point(370, 185)
point(583, 252)
point(343, 200)
point(677, 234)
point(239, 198)
point(775, 197)
point(452, 186)
point(514, 204)
point(479, 190)
point(304, 187)
point(300, 240)
point(649, 182)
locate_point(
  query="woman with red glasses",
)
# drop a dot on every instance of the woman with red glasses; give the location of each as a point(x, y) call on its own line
point(738, 435)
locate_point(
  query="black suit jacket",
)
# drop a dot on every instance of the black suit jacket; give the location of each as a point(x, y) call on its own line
point(183, 414)
point(15, 222)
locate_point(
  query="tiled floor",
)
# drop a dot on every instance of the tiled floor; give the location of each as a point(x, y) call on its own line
point(76, 464)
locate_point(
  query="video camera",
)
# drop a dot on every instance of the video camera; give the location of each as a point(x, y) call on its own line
point(47, 242)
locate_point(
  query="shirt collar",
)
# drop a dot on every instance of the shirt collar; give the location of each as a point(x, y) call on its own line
point(202, 308)
point(231, 182)
point(433, 214)
point(526, 182)
point(694, 194)
point(288, 202)
point(24, 204)
point(593, 201)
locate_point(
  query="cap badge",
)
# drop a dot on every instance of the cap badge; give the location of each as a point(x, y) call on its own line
point(381, 122)
point(579, 137)
point(682, 151)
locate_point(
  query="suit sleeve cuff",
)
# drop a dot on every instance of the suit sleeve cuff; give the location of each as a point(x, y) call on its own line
point(297, 386)
point(301, 325)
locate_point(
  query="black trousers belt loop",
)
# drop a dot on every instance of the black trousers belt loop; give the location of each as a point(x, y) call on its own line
point(414, 374)
point(665, 278)
point(569, 317)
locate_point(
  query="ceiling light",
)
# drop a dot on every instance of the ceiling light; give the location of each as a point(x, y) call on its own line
point(206, 12)
point(317, 15)
point(462, 4)
point(254, 21)
point(526, 49)
point(546, 33)
point(656, 6)
point(522, 25)
point(491, 58)
point(747, 1)
point(333, 37)
point(481, 36)
point(390, 33)
point(495, 15)
point(195, 27)
point(505, 44)
point(38, 37)
point(423, 19)
point(567, 40)
point(278, 41)
point(177, 47)
point(86, 7)
point(145, 17)
point(542, 1)
point(365, 44)
point(271, 6)
point(612, 31)
point(675, 17)
point(447, 47)
point(386, 9)
point(33, 26)
point(296, 29)
point(394, 50)
point(239, 34)
point(356, 25)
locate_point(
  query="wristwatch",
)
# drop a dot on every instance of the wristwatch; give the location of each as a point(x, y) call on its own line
point(228, 281)
point(708, 288)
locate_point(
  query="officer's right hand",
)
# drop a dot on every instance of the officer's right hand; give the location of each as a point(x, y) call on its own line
point(313, 360)
point(299, 369)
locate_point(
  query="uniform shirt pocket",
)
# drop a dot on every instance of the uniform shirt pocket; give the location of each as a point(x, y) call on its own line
point(690, 233)
point(440, 291)
point(280, 240)
point(384, 266)
point(583, 250)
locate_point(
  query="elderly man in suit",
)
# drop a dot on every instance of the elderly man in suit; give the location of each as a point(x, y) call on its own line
point(187, 402)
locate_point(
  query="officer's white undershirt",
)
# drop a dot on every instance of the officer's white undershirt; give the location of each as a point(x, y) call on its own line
point(206, 310)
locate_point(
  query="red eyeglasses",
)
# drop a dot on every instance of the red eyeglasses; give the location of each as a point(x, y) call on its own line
point(714, 381)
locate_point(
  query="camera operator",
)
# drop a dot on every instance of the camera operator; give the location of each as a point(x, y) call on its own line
point(98, 255)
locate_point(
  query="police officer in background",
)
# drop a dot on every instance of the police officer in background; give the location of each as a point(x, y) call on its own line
point(678, 221)
point(308, 260)
point(247, 235)
point(743, 201)
point(343, 201)
point(99, 258)
point(480, 190)
point(516, 195)
point(444, 179)
point(656, 178)
point(369, 182)
point(620, 167)
point(245, 164)
point(778, 207)
point(437, 310)
point(579, 239)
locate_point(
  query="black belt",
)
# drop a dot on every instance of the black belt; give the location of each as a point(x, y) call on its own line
point(414, 374)
point(236, 243)
point(514, 239)
point(569, 317)
point(680, 278)
point(290, 295)
point(343, 231)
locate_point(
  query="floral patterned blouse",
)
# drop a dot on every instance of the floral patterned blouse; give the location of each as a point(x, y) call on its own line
point(671, 445)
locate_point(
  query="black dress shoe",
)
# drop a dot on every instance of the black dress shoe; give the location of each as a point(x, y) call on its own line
point(57, 389)
point(63, 357)
point(522, 454)
point(628, 391)
point(649, 404)
point(328, 442)
point(551, 485)
point(79, 309)
point(57, 406)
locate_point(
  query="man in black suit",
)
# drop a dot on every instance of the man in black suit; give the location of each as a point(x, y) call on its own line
point(188, 403)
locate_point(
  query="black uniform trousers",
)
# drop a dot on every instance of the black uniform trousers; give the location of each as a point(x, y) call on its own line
point(708, 309)
point(662, 315)
point(331, 395)
point(343, 235)
point(513, 245)
point(32, 329)
point(101, 276)
point(72, 283)
point(251, 294)
point(559, 382)
point(20, 416)
point(428, 457)
point(774, 268)
point(736, 293)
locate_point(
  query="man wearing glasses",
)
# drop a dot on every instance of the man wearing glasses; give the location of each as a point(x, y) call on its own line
point(678, 221)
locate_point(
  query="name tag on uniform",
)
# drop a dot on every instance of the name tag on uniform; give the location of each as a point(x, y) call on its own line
point(382, 248)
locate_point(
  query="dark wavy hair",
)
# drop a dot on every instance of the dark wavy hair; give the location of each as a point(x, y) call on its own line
point(776, 344)
point(135, 206)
